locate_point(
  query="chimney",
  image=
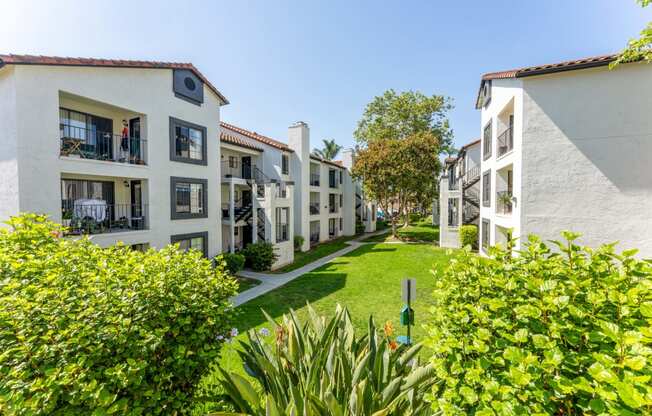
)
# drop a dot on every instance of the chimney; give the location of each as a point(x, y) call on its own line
point(348, 157)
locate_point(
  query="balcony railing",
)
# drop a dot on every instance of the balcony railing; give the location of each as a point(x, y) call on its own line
point(505, 141)
point(99, 145)
point(235, 169)
point(314, 179)
point(504, 202)
point(87, 216)
point(314, 237)
point(281, 190)
point(453, 185)
point(314, 208)
point(332, 209)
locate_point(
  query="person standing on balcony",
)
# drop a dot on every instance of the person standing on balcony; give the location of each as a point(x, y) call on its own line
point(124, 142)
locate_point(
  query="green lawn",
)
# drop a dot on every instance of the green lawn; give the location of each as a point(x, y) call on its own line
point(246, 283)
point(366, 280)
point(419, 231)
point(301, 258)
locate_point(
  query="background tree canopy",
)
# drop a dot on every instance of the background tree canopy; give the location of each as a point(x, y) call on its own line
point(329, 151)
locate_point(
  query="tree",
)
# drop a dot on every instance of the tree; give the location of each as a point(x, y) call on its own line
point(400, 115)
point(329, 151)
point(638, 49)
point(396, 172)
point(400, 138)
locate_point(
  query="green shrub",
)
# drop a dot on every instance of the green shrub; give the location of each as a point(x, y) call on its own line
point(87, 330)
point(359, 227)
point(234, 262)
point(469, 236)
point(260, 256)
point(545, 332)
point(298, 242)
point(323, 368)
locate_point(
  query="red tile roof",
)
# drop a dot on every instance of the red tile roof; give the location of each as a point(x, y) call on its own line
point(549, 68)
point(259, 137)
point(336, 163)
point(111, 63)
point(528, 71)
point(228, 138)
point(473, 143)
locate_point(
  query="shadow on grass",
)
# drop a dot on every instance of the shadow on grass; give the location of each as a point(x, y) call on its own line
point(293, 295)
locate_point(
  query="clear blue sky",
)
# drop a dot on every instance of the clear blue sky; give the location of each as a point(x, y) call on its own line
point(321, 62)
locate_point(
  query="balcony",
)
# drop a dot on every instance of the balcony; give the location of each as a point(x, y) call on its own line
point(94, 216)
point(504, 202)
point(281, 190)
point(236, 169)
point(314, 237)
point(94, 144)
point(505, 142)
point(314, 179)
point(314, 208)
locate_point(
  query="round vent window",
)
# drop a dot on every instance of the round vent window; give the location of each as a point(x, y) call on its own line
point(189, 83)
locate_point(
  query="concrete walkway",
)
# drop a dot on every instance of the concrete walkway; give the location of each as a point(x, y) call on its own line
point(270, 281)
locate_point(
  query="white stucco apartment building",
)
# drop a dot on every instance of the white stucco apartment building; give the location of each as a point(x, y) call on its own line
point(459, 194)
point(128, 151)
point(567, 146)
point(121, 150)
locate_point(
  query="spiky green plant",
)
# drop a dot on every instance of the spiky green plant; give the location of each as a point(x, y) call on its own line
point(322, 368)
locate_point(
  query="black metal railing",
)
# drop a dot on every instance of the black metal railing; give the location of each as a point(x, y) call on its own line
point(505, 141)
point(332, 209)
point(314, 237)
point(99, 145)
point(225, 210)
point(314, 179)
point(96, 217)
point(314, 208)
point(281, 190)
point(235, 169)
point(504, 202)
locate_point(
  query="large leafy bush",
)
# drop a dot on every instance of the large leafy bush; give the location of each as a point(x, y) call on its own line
point(86, 330)
point(563, 332)
point(323, 368)
point(469, 236)
point(260, 256)
point(234, 262)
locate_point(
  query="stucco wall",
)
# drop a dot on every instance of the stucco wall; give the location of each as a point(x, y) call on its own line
point(8, 145)
point(143, 91)
point(587, 147)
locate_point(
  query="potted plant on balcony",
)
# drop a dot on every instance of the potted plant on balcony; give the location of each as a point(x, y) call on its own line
point(505, 199)
point(66, 218)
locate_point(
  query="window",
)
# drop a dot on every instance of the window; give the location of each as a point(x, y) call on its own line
point(140, 247)
point(188, 198)
point(233, 162)
point(341, 177)
point(332, 178)
point(341, 201)
point(331, 203)
point(486, 93)
point(187, 142)
point(282, 228)
point(341, 225)
point(331, 227)
point(485, 233)
point(285, 164)
point(486, 189)
point(453, 212)
point(486, 142)
point(195, 241)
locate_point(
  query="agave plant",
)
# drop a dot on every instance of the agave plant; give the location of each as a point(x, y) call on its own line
point(322, 368)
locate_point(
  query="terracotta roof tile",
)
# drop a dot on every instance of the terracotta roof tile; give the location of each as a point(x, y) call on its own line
point(473, 143)
point(555, 67)
point(112, 63)
point(337, 163)
point(259, 137)
point(228, 138)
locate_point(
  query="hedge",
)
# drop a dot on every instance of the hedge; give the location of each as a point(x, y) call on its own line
point(469, 236)
point(87, 330)
point(555, 331)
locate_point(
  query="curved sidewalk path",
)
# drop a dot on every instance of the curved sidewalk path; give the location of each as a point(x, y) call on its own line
point(270, 281)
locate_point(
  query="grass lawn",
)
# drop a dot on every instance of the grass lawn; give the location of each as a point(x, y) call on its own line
point(301, 258)
point(419, 231)
point(246, 283)
point(366, 280)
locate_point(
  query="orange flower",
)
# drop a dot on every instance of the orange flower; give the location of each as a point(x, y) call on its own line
point(388, 328)
point(393, 345)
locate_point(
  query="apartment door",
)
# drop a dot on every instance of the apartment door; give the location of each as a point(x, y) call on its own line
point(134, 139)
point(246, 197)
point(247, 237)
point(137, 220)
point(246, 167)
